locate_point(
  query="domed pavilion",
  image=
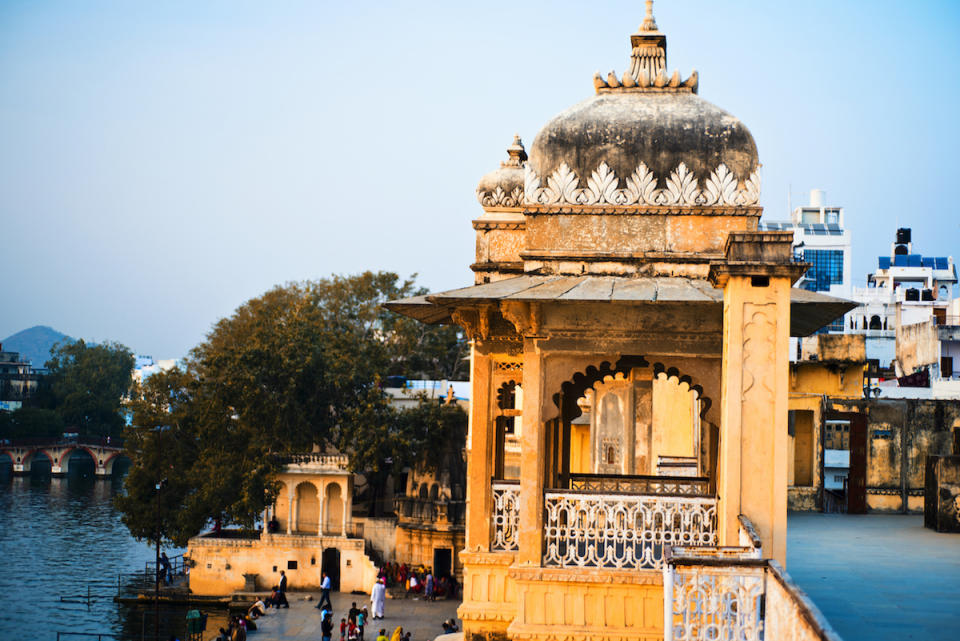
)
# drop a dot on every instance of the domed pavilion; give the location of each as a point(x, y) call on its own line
point(630, 330)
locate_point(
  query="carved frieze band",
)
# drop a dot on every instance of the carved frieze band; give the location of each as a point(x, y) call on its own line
point(721, 188)
point(500, 198)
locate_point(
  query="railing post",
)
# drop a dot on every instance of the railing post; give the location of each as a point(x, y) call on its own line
point(667, 602)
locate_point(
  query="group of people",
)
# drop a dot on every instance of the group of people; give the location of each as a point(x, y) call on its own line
point(419, 580)
point(236, 630)
point(352, 627)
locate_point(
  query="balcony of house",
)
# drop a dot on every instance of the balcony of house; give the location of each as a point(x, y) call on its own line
point(611, 521)
point(419, 511)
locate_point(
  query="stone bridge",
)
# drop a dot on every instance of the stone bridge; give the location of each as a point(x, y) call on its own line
point(61, 450)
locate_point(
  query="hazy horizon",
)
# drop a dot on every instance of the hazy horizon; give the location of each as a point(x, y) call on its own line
point(162, 163)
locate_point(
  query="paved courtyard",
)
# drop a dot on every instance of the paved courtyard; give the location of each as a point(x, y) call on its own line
point(878, 577)
point(301, 622)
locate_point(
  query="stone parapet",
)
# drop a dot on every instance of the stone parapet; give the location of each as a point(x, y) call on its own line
point(599, 605)
point(489, 594)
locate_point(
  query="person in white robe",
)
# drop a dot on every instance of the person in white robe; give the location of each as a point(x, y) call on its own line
point(378, 596)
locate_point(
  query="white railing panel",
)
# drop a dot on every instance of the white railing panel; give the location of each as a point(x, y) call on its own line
point(623, 531)
point(506, 517)
point(716, 603)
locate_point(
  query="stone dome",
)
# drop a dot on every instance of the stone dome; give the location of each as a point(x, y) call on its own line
point(503, 187)
point(645, 138)
point(659, 129)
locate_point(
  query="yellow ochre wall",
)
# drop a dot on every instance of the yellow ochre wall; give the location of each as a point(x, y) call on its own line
point(674, 412)
point(219, 564)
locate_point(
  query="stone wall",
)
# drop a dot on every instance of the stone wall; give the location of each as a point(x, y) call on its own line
point(381, 533)
point(221, 563)
point(942, 500)
point(901, 433)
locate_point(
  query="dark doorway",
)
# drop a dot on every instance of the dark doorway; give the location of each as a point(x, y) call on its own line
point(857, 483)
point(442, 561)
point(331, 565)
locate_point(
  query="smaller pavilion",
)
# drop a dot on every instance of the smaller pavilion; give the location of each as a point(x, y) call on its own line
point(308, 531)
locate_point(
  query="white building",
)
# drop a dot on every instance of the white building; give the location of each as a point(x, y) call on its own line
point(836, 468)
point(819, 238)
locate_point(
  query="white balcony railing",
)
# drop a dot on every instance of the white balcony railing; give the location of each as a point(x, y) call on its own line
point(731, 593)
point(718, 603)
point(506, 516)
point(584, 529)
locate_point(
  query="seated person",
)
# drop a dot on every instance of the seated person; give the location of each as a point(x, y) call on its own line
point(449, 626)
point(273, 600)
point(258, 609)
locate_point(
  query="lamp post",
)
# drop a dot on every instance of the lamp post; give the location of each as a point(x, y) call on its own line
point(156, 575)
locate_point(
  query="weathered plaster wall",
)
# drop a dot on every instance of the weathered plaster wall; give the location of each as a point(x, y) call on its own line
point(415, 546)
point(942, 501)
point(851, 348)
point(917, 345)
point(221, 563)
point(900, 435)
point(381, 533)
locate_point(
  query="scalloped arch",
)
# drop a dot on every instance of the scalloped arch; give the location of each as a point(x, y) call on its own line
point(572, 390)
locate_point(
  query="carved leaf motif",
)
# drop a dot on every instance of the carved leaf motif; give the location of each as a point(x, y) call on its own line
point(681, 187)
point(641, 188)
point(562, 185)
point(601, 185)
point(641, 185)
point(532, 191)
point(750, 194)
point(720, 188)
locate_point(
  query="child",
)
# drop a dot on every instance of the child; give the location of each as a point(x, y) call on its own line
point(383, 635)
point(353, 632)
point(343, 630)
point(361, 620)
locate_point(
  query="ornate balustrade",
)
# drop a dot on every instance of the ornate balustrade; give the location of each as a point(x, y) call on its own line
point(659, 485)
point(429, 511)
point(717, 602)
point(312, 460)
point(585, 529)
point(713, 593)
point(506, 516)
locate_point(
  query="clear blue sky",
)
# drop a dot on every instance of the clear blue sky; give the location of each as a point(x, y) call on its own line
point(162, 162)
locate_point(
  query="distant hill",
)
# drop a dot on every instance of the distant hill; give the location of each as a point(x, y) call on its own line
point(34, 344)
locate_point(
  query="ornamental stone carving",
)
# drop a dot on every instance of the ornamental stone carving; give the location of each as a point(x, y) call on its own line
point(721, 188)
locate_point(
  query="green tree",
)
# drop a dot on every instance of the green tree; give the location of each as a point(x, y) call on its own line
point(211, 467)
point(87, 384)
point(289, 369)
point(382, 440)
point(30, 422)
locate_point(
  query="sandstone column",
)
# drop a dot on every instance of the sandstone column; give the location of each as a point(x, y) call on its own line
point(756, 277)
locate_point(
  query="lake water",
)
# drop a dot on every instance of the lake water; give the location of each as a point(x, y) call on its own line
point(60, 537)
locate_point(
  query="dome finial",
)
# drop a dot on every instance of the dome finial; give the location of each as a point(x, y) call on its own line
point(649, 24)
point(517, 154)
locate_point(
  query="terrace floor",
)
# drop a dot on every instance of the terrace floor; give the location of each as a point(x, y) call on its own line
point(877, 577)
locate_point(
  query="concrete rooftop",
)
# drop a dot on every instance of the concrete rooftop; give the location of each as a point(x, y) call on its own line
point(878, 577)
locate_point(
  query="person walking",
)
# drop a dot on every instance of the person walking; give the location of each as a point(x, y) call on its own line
point(325, 594)
point(283, 590)
point(378, 596)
